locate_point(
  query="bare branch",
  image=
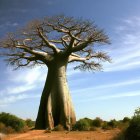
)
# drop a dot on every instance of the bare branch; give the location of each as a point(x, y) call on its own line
point(43, 41)
point(49, 44)
point(57, 28)
point(92, 66)
point(80, 46)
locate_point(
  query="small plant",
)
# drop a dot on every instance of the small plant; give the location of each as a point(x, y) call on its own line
point(97, 122)
point(12, 121)
point(126, 120)
point(30, 123)
point(120, 136)
point(2, 127)
point(82, 125)
point(112, 123)
point(6, 129)
point(105, 126)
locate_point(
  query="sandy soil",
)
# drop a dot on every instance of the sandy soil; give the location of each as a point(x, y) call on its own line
point(63, 135)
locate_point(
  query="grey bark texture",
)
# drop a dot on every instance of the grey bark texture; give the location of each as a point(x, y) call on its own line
point(56, 106)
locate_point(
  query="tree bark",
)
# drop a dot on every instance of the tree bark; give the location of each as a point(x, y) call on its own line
point(56, 104)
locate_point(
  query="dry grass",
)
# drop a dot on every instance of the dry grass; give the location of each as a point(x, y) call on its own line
point(63, 135)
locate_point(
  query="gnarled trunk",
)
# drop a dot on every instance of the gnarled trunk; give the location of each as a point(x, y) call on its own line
point(56, 104)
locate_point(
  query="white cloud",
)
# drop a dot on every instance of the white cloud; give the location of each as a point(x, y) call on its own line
point(29, 76)
point(20, 82)
point(125, 50)
point(121, 67)
point(20, 89)
point(9, 24)
point(11, 99)
point(109, 97)
point(122, 95)
point(88, 90)
point(124, 83)
point(23, 81)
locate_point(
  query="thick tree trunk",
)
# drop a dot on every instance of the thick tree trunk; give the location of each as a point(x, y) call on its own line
point(56, 104)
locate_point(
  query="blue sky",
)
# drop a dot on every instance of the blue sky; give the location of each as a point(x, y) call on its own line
point(112, 93)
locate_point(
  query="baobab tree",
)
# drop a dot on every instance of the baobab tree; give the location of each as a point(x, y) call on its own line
point(55, 42)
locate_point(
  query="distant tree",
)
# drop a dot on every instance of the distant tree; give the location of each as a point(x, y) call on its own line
point(55, 42)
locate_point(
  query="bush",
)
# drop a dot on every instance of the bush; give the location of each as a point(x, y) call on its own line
point(126, 120)
point(82, 125)
point(2, 127)
point(88, 120)
point(30, 123)
point(112, 123)
point(122, 125)
point(105, 126)
point(6, 130)
point(97, 122)
point(120, 136)
point(12, 121)
point(133, 131)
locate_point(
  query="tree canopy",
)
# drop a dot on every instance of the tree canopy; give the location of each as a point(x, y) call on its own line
point(41, 40)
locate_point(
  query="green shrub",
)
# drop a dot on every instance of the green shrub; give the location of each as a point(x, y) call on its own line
point(126, 119)
point(82, 125)
point(112, 123)
point(12, 121)
point(120, 136)
point(2, 127)
point(122, 125)
point(133, 131)
point(6, 130)
point(97, 122)
point(30, 123)
point(105, 126)
point(88, 120)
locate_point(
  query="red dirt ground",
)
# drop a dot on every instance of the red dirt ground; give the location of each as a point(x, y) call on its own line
point(63, 135)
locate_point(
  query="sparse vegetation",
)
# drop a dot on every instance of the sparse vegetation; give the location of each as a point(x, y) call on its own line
point(126, 120)
point(82, 125)
point(128, 129)
point(6, 129)
point(30, 123)
point(112, 123)
point(10, 123)
point(97, 122)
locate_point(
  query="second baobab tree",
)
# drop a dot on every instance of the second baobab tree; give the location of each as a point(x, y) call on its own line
point(55, 42)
